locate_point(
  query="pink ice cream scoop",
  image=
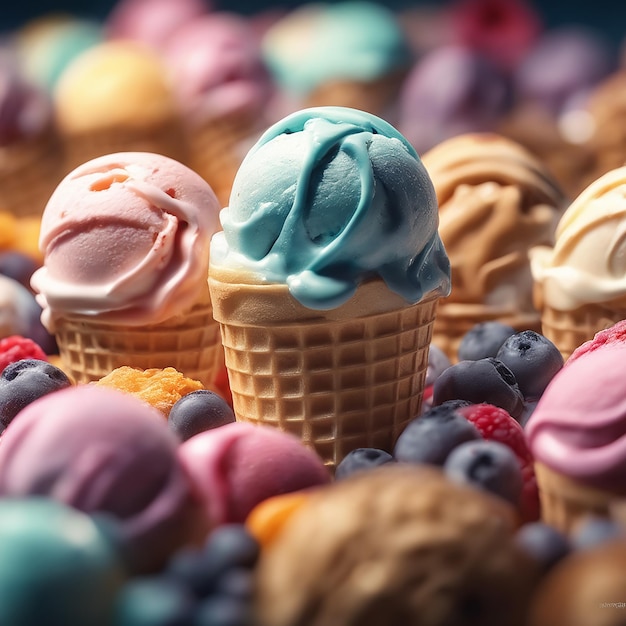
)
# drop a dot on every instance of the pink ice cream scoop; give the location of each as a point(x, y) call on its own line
point(104, 451)
point(217, 68)
point(152, 21)
point(126, 237)
point(578, 428)
point(239, 465)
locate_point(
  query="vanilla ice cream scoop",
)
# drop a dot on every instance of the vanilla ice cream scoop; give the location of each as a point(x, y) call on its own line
point(587, 264)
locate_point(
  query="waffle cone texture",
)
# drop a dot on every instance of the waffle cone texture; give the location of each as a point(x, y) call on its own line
point(29, 173)
point(217, 147)
point(566, 502)
point(569, 329)
point(190, 343)
point(340, 379)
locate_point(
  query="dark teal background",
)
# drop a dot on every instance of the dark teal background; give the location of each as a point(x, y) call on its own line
point(606, 15)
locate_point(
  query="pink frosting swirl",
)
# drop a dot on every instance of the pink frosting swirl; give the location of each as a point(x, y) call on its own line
point(579, 426)
point(126, 238)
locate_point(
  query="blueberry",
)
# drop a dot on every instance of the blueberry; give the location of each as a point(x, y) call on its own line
point(18, 266)
point(27, 380)
point(489, 465)
point(154, 601)
point(362, 459)
point(483, 340)
point(533, 359)
point(432, 436)
point(543, 543)
point(486, 380)
point(236, 583)
point(228, 547)
point(223, 611)
point(594, 530)
point(199, 411)
point(438, 361)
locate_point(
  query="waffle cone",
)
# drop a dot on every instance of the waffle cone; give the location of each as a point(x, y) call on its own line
point(29, 173)
point(341, 379)
point(566, 502)
point(456, 319)
point(217, 148)
point(165, 138)
point(190, 343)
point(569, 329)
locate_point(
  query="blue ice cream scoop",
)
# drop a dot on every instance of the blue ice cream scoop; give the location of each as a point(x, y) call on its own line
point(57, 566)
point(328, 198)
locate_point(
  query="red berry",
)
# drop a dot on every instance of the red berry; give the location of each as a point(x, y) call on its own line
point(222, 386)
point(15, 348)
point(497, 424)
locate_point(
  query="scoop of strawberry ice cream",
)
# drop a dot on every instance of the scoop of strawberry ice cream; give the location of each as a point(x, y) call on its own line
point(239, 465)
point(126, 237)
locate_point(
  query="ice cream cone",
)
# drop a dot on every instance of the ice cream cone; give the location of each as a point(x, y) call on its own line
point(190, 343)
point(29, 173)
point(340, 379)
point(217, 148)
point(164, 138)
point(569, 329)
point(565, 502)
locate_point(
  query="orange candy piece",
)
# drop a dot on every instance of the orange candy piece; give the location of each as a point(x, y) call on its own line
point(267, 518)
point(161, 388)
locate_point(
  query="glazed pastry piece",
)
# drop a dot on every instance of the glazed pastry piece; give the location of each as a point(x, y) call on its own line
point(104, 451)
point(352, 54)
point(116, 97)
point(579, 282)
point(585, 588)
point(399, 544)
point(495, 201)
point(238, 466)
point(57, 566)
point(326, 279)
point(578, 438)
point(223, 89)
point(126, 239)
point(159, 387)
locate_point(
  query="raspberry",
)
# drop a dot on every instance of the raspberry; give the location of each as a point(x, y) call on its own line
point(496, 424)
point(15, 348)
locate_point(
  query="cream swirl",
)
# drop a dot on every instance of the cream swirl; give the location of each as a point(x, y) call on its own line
point(588, 262)
point(126, 238)
point(579, 425)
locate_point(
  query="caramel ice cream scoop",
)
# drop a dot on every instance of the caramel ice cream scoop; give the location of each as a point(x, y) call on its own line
point(396, 545)
point(496, 200)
